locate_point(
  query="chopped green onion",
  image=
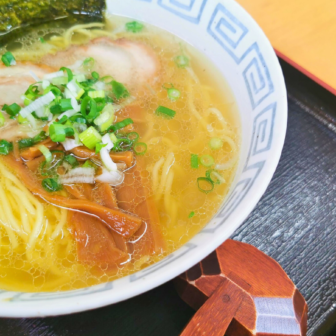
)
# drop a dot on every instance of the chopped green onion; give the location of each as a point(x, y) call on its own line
point(8, 59)
point(109, 99)
point(86, 85)
point(217, 178)
point(140, 148)
point(5, 147)
point(113, 138)
point(76, 136)
point(90, 137)
point(79, 127)
point(181, 61)
point(75, 89)
point(65, 105)
point(121, 124)
point(208, 172)
point(78, 118)
point(71, 160)
point(101, 103)
point(60, 80)
point(59, 132)
point(28, 142)
point(2, 120)
point(207, 160)
point(95, 75)
point(80, 78)
point(50, 185)
point(119, 90)
point(88, 60)
point(12, 109)
point(22, 120)
point(68, 123)
point(80, 93)
point(69, 73)
point(165, 111)
point(88, 102)
point(205, 184)
point(62, 120)
point(46, 152)
point(88, 164)
point(55, 109)
point(192, 214)
point(88, 63)
point(37, 117)
point(123, 144)
point(133, 136)
point(24, 143)
point(40, 137)
point(97, 94)
point(216, 143)
point(28, 100)
point(54, 89)
point(194, 161)
point(173, 94)
point(134, 27)
point(107, 79)
point(69, 131)
point(42, 40)
point(214, 176)
point(105, 120)
point(99, 146)
point(32, 92)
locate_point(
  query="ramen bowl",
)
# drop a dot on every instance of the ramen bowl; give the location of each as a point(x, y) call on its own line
point(234, 43)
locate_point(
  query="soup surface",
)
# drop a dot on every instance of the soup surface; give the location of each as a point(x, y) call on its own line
point(112, 162)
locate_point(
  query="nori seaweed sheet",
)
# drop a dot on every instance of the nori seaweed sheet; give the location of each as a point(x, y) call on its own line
point(19, 15)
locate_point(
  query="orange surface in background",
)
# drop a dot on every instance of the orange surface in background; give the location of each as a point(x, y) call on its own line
point(303, 33)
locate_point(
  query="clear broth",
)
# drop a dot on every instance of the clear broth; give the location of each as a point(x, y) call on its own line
point(53, 265)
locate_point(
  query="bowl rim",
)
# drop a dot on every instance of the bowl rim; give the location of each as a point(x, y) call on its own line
point(87, 301)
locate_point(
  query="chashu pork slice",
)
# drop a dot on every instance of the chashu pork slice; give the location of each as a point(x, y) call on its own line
point(15, 80)
point(129, 62)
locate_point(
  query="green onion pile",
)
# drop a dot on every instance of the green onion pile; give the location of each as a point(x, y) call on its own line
point(76, 109)
point(78, 106)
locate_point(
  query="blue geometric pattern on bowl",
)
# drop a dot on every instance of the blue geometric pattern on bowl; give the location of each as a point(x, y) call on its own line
point(227, 30)
point(190, 10)
point(229, 33)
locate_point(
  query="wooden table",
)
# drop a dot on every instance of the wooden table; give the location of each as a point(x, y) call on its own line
point(294, 223)
point(302, 32)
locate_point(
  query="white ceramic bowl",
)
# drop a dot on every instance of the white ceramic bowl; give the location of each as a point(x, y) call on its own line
point(229, 37)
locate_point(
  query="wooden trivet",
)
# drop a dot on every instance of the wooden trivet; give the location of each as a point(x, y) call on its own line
point(240, 291)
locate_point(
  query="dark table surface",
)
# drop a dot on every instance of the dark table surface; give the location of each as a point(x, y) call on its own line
point(293, 223)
